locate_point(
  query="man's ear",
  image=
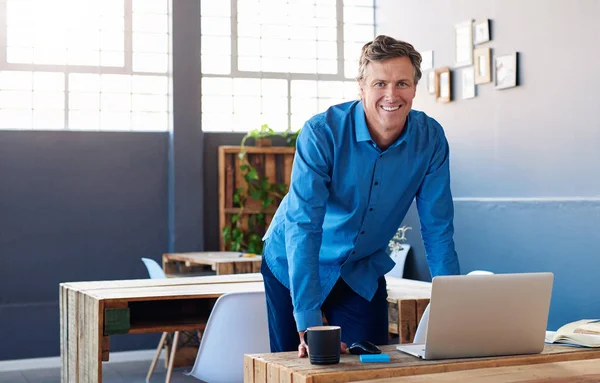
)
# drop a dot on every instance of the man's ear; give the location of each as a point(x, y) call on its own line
point(360, 87)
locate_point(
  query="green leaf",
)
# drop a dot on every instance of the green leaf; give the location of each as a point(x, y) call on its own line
point(267, 202)
point(256, 194)
point(252, 174)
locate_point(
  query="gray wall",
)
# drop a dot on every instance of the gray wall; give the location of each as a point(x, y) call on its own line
point(74, 206)
point(83, 206)
point(525, 161)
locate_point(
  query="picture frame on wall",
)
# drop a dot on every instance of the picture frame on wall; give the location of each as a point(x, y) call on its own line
point(506, 68)
point(463, 33)
point(481, 32)
point(431, 82)
point(443, 85)
point(467, 76)
point(426, 60)
point(483, 65)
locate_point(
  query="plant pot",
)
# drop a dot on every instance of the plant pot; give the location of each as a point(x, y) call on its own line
point(263, 142)
point(400, 258)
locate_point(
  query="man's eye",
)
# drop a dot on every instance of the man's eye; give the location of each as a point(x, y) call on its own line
point(379, 84)
point(403, 84)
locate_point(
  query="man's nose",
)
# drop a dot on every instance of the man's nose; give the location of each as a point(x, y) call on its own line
point(391, 92)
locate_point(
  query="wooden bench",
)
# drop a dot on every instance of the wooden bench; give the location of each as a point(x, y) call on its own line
point(287, 367)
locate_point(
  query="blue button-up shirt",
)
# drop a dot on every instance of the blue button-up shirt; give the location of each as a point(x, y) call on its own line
point(347, 198)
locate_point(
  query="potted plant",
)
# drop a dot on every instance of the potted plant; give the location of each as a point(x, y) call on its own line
point(262, 136)
point(398, 251)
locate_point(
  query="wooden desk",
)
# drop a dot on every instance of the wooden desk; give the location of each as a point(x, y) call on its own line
point(92, 311)
point(222, 262)
point(287, 367)
point(579, 371)
point(407, 300)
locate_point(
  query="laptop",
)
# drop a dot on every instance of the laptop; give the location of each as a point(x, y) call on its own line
point(486, 315)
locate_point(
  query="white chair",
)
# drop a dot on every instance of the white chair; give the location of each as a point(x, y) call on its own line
point(237, 325)
point(156, 272)
point(421, 333)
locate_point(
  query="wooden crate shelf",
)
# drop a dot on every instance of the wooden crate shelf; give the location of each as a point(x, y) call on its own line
point(274, 163)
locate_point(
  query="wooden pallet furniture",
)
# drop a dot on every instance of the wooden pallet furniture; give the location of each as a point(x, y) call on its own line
point(92, 311)
point(198, 263)
point(407, 300)
point(221, 262)
point(274, 163)
point(576, 371)
point(287, 367)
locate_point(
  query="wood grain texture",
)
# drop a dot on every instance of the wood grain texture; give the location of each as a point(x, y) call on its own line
point(73, 336)
point(64, 340)
point(351, 369)
point(580, 371)
point(82, 306)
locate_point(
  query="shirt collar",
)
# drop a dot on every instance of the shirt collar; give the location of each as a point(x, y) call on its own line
point(362, 131)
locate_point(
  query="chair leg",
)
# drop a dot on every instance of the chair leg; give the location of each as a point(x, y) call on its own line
point(161, 344)
point(172, 358)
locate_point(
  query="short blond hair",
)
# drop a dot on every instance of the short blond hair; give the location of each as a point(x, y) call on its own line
point(386, 47)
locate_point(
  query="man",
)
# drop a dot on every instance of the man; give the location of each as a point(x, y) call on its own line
point(358, 166)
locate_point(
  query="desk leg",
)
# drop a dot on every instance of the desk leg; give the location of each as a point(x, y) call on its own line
point(63, 299)
point(225, 268)
point(105, 348)
point(81, 338)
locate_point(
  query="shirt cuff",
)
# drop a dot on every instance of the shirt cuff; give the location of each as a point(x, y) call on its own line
point(309, 318)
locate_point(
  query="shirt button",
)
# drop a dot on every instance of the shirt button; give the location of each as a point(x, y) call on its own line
point(354, 252)
point(371, 209)
point(376, 183)
point(362, 232)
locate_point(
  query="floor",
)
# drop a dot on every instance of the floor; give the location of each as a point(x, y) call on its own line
point(132, 372)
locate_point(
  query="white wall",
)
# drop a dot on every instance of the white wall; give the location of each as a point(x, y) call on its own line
point(525, 161)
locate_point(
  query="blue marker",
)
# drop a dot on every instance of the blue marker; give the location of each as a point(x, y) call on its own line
point(375, 358)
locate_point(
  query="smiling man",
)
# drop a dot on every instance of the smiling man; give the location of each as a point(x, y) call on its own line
point(358, 167)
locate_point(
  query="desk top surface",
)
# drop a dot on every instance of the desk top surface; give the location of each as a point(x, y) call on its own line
point(213, 286)
point(210, 257)
point(580, 371)
point(401, 364)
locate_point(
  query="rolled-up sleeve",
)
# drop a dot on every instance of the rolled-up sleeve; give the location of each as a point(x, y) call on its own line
point(309, 191)
point(436, 212)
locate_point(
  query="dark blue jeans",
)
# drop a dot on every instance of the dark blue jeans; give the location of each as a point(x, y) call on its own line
point(358, 318)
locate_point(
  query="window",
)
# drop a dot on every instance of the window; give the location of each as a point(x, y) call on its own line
point(279, 62)
point(85, 65)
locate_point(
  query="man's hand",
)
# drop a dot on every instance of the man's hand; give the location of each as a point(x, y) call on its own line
point(303, 347)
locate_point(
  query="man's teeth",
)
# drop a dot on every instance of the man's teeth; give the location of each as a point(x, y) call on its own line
point(390, 108)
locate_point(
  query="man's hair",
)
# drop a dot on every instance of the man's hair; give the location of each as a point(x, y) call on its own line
point(386, 47)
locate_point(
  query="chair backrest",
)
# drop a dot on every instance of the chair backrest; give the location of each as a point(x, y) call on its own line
point(421, 333)
point(237, 325)
point(154, 269)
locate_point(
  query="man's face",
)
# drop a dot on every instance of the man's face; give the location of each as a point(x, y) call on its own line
point(387, 91)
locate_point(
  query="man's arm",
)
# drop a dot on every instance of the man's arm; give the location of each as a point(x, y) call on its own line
point(309, 191)
point(436, 212)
